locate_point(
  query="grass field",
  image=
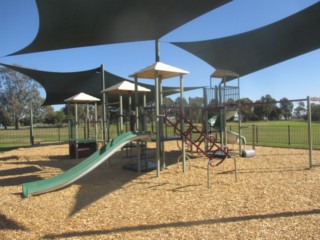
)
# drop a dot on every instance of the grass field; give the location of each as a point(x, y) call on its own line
point(265, 133)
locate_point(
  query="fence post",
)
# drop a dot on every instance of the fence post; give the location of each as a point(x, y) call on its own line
point(253, 136)
point(309, 132)
point(256, 134)
point(31, 127)
point(289, 135)
point(59, 138)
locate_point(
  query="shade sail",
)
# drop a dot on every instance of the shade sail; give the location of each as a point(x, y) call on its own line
point(61, 85)
point(78, 23)
point(125, 87)
point(254, 50)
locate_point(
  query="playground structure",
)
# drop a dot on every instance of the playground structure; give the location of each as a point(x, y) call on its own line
point(223, 96)
point(210, 140)
point(126, 88)
point(84, 167)
point(205, 143)
point(82, 147)
point(202, 138)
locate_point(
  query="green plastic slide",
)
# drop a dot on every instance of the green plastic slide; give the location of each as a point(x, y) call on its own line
point(84, 167)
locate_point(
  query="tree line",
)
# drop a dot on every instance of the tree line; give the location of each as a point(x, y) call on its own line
point(19, 94)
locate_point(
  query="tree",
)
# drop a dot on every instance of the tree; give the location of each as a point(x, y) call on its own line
point(300, 111)
point(177, 102)
point(18, 94)
point(196, 105)
point(315, 112)
point(168, 101)
point(57, 117)
point(39, 114)
point(82, 111)
point(275, 114)
point(246, 109)
point(264, 107)
point(286, 108)
point(4, 118)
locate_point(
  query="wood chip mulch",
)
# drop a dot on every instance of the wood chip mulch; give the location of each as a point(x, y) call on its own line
point(276, 196)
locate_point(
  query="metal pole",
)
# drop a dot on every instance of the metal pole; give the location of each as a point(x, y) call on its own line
point(76, 126)
point(95, 121)
point(239, 122)
point(182, 125)
point(104, 117)
point(121, 114)
point(87, 123)
point(144, 117)
point(162, 129)
point(205, 101)
point(31, 126)
point(157, 117)
point(107, 117)
point(136, 103)
point(309, 133)
point(224, 113)
point(157, 50)
point(254, 136)
point(192, 120)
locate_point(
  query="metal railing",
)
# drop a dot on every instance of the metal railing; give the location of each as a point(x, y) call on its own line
point(277, 136)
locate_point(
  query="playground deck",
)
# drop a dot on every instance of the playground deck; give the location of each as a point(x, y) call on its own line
point(276, 197)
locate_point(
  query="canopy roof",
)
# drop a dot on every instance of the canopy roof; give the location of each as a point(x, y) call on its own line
point(82, 98)
point(254, 50)
point(78, 23)
point(125, 87)
point(224, 74)
point(163, 70)
point(61, 85)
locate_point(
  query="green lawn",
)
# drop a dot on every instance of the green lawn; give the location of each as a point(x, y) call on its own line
point(267, 133)
point(291, 133)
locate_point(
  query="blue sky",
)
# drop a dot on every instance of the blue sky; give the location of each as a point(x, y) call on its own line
point(295, 78)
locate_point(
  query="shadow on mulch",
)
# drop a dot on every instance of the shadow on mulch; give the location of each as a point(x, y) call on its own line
point(19, 171)
point(108, 179)
point(18, 180)
point(6, 223)
point(184, 224)
point(61, 162)
point(4, 149)
point(264, 170)
point(9, 158)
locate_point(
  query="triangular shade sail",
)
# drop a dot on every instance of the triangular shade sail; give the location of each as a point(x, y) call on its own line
point(82, 98)
point(61, 85)
point(254, 50)
point(78, 23)
point(125, 87)
point(163, 70)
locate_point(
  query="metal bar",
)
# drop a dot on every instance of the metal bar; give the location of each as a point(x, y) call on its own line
point(104, 128)
point(309, 133)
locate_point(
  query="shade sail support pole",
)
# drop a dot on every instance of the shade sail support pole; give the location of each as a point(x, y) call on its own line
point(104, 117)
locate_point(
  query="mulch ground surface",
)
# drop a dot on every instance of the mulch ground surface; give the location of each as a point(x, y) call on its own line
point(276, 196)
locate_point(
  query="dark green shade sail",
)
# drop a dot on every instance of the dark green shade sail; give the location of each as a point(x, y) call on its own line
point(78, 23)
point(254, 50)
point(62, 85)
